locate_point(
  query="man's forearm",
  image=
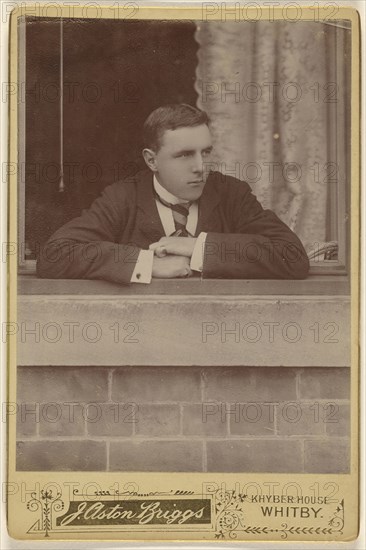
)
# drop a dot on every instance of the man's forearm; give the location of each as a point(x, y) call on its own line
point(67, 259)
point(241, 256)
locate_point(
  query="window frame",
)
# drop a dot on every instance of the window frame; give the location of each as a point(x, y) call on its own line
point(339, 194)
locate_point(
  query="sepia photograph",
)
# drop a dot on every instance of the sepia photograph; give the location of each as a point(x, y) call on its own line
point(185, 189)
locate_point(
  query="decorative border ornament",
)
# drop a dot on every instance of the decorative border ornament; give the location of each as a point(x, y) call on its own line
point(47, 504)
point(337, 520)
point(229, 513)
point(228, 519)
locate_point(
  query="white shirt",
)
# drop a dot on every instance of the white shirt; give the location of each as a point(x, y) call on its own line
point(143, 268)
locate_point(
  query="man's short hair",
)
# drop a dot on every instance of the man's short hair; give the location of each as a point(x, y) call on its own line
point(170, 117)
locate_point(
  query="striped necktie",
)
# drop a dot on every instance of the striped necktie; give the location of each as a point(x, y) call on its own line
point(180, 214)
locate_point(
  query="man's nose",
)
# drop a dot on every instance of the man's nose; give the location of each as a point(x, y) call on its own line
point(197, 165)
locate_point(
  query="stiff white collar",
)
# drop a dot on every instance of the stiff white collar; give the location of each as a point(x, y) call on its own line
point(166, 195)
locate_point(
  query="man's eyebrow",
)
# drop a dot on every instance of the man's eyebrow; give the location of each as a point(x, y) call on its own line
point(188, 151)
point(184, 151)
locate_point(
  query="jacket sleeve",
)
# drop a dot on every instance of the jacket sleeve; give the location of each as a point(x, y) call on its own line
point(87, 247)
point(261, 246)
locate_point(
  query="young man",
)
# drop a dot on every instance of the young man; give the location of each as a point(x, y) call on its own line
point(175, 219)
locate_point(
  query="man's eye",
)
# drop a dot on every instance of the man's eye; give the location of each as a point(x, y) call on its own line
point(206, 153)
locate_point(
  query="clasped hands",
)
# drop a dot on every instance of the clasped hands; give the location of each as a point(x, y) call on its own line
point(172, 257)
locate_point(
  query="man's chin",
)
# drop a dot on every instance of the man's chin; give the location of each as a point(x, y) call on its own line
point(194, 191)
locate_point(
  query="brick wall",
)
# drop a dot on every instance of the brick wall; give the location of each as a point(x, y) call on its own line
point(240, 419)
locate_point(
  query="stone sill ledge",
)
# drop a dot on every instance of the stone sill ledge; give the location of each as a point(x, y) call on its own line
point(184, 322)
point(315, 285)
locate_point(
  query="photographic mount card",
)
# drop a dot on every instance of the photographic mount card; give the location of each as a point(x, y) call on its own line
point(219, 406)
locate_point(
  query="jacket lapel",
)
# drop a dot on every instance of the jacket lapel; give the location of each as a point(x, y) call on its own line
point(149, 222)
point(209, 218)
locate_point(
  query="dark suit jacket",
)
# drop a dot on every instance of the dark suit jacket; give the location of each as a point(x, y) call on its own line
point(243, 242)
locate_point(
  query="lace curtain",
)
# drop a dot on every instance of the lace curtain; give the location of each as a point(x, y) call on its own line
point(273, 91)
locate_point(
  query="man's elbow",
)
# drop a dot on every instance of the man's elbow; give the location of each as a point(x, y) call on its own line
point(52, 261)
point(299, 269)
point(47, 270)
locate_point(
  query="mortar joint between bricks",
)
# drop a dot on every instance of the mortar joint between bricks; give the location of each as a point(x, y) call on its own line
point(203, 379)
point(110, 383)
point(38, 429)
point(181, 419)
point(302, 445)
point(108, 455)
point(275, 422)
point(297, 382)
point(204, 456)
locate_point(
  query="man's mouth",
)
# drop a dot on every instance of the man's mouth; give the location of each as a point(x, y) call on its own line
point(196, 182)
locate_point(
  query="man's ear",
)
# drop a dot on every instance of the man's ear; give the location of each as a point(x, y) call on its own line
point(150, 159)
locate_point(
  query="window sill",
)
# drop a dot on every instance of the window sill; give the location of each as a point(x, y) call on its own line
point(313, 285)
point(184, 322)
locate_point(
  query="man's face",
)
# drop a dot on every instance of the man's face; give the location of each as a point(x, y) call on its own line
point(179, 163)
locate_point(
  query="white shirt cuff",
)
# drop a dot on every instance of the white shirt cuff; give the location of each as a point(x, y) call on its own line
point(198, 252)
point(143, 268)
